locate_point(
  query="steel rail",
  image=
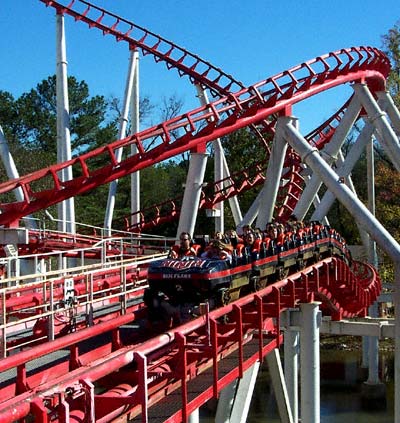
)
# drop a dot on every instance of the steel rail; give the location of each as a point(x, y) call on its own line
point(342, 293)
point(198, 126)
point(187, 64)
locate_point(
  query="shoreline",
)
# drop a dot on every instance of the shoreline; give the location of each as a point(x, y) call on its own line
point(352, 343)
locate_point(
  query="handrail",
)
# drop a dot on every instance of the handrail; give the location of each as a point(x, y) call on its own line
point(45, 298)
point(209, 341)
point(199, 126)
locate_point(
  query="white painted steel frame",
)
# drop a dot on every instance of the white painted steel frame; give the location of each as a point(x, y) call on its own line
point(191, 196)
point(310, 362)
point(330, 152)
point(221, 171)
point(383, 238)
point(272, 180)
point(112, 191)
point(66, 209)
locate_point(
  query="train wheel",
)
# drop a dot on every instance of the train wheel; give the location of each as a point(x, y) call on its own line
point(257, 284)
point(282, 273)
point(300, 265)
point(223, 297)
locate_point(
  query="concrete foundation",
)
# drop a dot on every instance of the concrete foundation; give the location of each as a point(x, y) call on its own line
point(373, 396)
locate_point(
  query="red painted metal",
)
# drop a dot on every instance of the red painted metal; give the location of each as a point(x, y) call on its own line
point(241, 182)
point(184, 353)
point(164, 51)
point(220, 118)
point(143, 374)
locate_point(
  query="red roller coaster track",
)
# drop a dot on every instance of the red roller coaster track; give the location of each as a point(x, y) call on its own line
point(170, 363)
point(234, 110)
point(137, 376)
point(199, 126)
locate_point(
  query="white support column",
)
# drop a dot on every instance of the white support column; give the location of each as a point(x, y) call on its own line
point(221, 171)
point(291, 362)
point(9, 164)
point(329, 152)
point(135, 127)
point(251, 213)
point(244, 394)
point(372, 226)
point(66, 209)
point(218, 176)
point(388, 105)
point(373, 346)
point(234, 401)
point(379, 119)
point(365, 358)
point(372, 257)
point(191, 196)
point(225, 403)
point(273, 178)
point(194, 417)
point(12, 173)
point(278, 383)
point(121, 134)
point(233, 201)
point(345, 169)
point(317, 200)
point(361, 213)
point(310, 362)
point(312, 158)
point(348, 180)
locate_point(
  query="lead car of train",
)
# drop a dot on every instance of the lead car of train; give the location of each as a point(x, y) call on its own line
point(177, 287)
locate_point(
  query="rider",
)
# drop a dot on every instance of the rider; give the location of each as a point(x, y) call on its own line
point(218, 250)
point(184, 249)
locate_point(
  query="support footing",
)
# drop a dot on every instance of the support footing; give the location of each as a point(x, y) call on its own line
point(373, 396)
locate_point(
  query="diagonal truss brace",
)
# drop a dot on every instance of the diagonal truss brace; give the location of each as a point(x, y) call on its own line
point(330, 151)
point(313, 159)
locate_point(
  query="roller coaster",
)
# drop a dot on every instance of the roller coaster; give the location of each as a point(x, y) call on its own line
point(77, 343)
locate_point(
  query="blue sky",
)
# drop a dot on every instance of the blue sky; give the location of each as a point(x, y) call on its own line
point(251, 39)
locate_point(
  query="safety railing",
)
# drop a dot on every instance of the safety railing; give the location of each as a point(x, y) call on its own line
point(215, 348)
point(67, 299)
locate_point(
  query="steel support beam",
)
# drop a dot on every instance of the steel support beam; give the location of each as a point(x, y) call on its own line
point(121, 134)
point(225, 403)
point(334, 183)
point(191, 196)
point(380, 328)
point(310, 362)
point(383, 238)
point(291, 362)
point(278, 383)
point(194, 417)
point(235, 399)
point(244, 394)
point(344, 170)
point(135, 127)
point(390, 108)
point(373, 345)
point(272, 180)
point(66, 209)
point(221, 171)
point(12, 173)
point(378, 118)
point(251, 213)
point(329, 152)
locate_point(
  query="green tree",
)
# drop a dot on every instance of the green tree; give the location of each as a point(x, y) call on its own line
point(36, 117)
point(391, 46)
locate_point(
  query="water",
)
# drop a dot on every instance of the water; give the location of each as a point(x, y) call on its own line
point(340, 400)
